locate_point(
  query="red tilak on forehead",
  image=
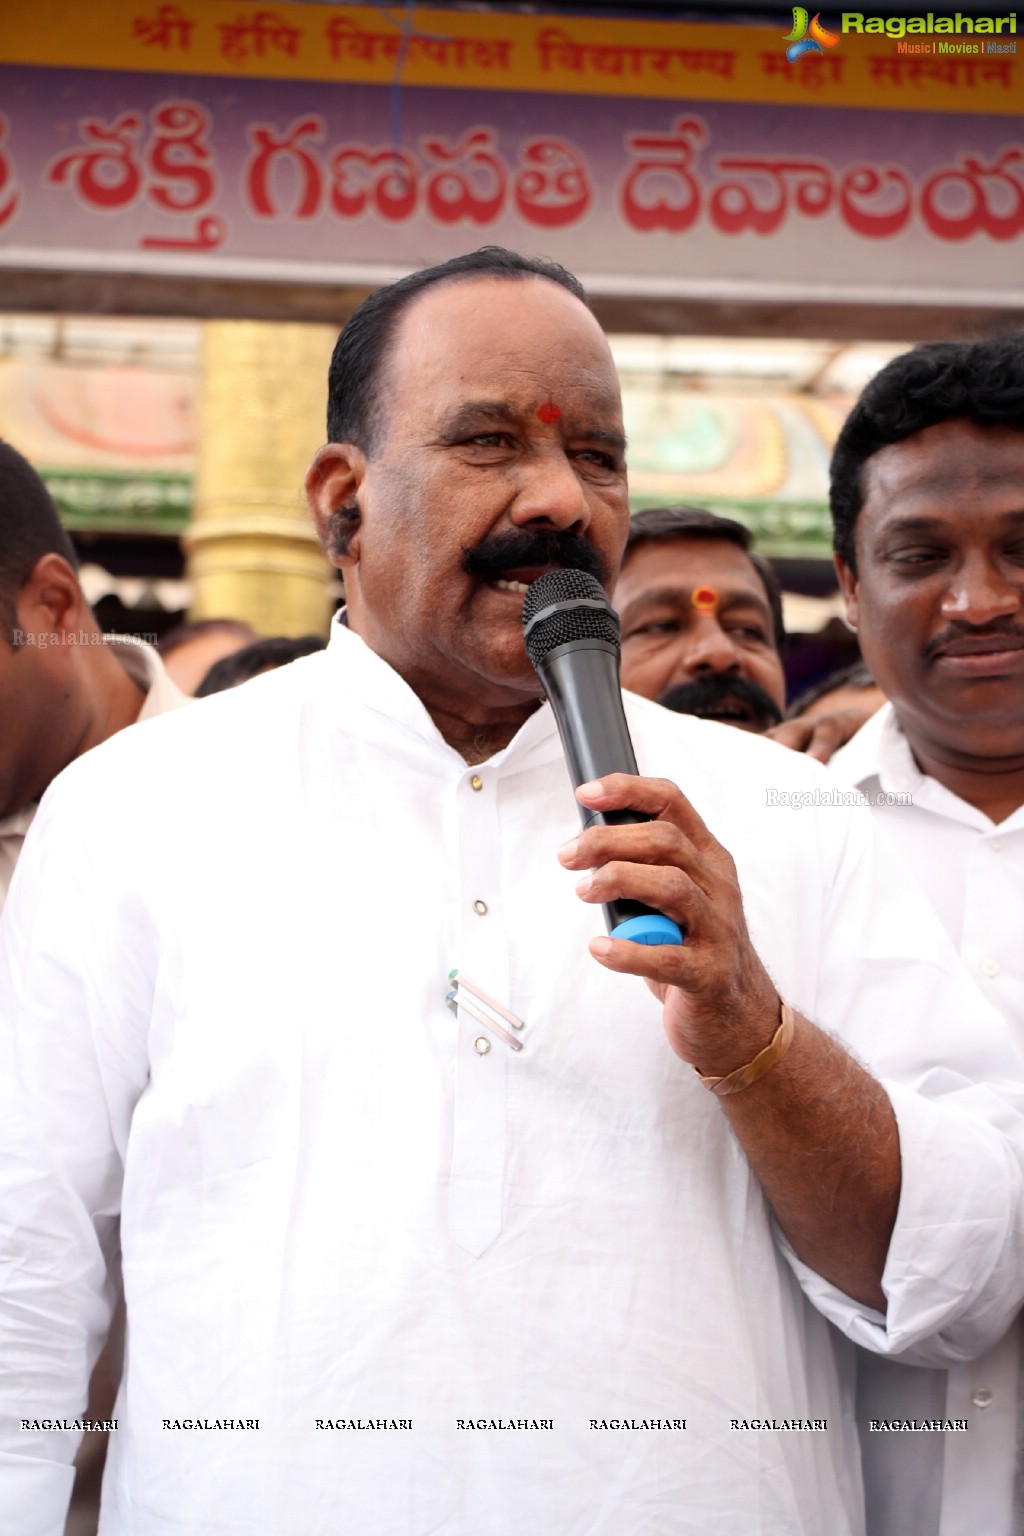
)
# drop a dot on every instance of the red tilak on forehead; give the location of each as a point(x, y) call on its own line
point(549, 411)
point(704, 599)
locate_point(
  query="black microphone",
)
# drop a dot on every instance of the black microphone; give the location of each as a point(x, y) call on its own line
point(571, 633)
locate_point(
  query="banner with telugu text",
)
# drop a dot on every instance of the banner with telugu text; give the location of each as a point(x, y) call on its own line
point(325, 143)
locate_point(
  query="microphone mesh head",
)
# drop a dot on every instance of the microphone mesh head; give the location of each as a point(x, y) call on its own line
point(583, 612)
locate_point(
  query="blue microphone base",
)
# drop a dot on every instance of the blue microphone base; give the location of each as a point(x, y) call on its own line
point(650, 928)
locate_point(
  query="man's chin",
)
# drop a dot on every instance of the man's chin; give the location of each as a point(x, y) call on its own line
point(738, 722)
point(994, 715)
point(506, 666)
point(736, 713)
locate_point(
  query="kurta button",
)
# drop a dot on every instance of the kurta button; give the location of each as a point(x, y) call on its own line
point(480, 908)
point(476, 781)
point(995, 843)
point(481, 1045)
point(990, 967)
point(981, 1398)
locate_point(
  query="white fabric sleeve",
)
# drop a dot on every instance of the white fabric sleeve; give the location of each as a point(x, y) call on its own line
point(897, 995)
point(954, 1271)
point(68, 1084)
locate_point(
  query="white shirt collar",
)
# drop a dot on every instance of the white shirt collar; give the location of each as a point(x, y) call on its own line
point(879, 757)
point(365, 679)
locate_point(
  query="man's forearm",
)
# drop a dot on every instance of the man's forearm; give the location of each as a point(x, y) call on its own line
point(821, 1136)
point(818, 1131)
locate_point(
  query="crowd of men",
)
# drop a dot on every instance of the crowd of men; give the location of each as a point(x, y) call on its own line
point(927, 496)
point(392, 1153)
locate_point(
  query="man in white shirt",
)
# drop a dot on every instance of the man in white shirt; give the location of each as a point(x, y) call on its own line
point(384, 1271)
point(928, 502)
point(64, 685)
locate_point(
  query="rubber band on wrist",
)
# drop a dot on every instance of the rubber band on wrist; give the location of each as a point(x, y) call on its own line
point(743, 1077)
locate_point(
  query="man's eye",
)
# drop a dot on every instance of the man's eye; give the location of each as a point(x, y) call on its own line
point(655, 627)
point(748, 632)
point(918, 556)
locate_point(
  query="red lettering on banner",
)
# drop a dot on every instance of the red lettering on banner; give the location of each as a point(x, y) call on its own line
point(177, 154)
point(169, 28)
point(454, 193)
point(9, 193)
point(865, 181)
point(977, 217)
point(109, 176)
point(345, 36)
point(174, 172)
point(167, 161)
point(991, 196)
point(814, 72)
point(556, 50)
point(650, 207)
point(270, 148)
point(734, 208)
point(209, 234)
point(495, 53)
point(1000, 71)
point(553, 189)
point(258, 34)
point(616, 59)
point(357, 179)
point(957, 73)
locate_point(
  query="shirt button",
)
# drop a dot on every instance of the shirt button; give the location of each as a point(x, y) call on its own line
point(995, 843)
point(480, 908)
point(481, 1045)
point(476, 781)
point(981, 1397)
point(990, 967)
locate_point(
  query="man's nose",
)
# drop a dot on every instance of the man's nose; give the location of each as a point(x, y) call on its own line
point(979, 592)
point(708, 649)
point(550, 491)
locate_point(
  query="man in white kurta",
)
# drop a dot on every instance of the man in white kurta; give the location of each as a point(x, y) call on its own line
point(336, 1209)
point(382, 1272)
point(64, 685)
point(146, 670)
point(928, 500)
point(972, 870)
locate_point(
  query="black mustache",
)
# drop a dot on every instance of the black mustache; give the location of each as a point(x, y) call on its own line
point(1006, 626)
point(520, 548)
point(704, 694)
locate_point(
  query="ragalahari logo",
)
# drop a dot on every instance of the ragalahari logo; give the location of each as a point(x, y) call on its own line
point(808, 36)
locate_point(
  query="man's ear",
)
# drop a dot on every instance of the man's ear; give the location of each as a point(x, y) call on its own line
point(850, 588)
point(50, 598)
point(332, 482)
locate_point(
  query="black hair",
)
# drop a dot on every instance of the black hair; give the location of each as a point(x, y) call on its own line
point(856, 675)
point(251, 660)
point(30, 527)
point(697, 522)
point(979, 381)
point(354, 407)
